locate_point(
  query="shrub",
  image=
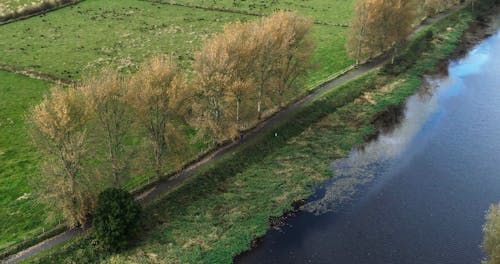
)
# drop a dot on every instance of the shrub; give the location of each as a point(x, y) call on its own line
point(410, 54)
point(491, 243)
point(116, 219)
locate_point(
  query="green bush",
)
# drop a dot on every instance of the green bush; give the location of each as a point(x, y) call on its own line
point(116, 219)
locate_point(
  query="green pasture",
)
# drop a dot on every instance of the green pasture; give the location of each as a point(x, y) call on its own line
point(331, 11)
point(21, 216)
point(94, 34)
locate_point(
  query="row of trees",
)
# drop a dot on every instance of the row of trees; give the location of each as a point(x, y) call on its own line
point(87, 134)
point(90, 133)
point(381, 25)
point(247, 68)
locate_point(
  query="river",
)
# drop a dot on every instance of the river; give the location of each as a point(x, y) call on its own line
point(436, 174)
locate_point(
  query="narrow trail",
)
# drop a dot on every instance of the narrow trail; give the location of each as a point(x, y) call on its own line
point(36, 74)
point(164, 186)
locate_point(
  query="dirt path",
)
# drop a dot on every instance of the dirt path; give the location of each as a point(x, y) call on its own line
point(164, 186)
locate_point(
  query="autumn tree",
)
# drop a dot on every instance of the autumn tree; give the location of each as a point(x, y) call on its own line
point(156, 93)
point(224, 81)
point(398, 19)
point(380, 25)
point(59, 130)
point(281, 56)
point(258, 61)
point(213, 74)
point(295, 49)
point(107, 104)
point(238, 44)
point(358, 45)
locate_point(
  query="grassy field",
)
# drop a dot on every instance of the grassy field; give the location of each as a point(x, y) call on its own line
point(81, 39)
point(216, 214)
point(94, 34)
point(332, 11)
point(20, 215)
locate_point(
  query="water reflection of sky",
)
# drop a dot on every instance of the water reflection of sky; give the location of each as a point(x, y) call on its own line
point(423, 111)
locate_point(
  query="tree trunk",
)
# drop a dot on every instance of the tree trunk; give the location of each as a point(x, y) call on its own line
point(238, 114)
point(259, 105)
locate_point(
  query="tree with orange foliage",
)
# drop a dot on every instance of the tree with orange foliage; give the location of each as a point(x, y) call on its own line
point(281, 56)
point(380, 25)
point(105, 98)
point(259, 61)
point(59, 130)
point(294, 52)
point(223, 81)
point(156, 94)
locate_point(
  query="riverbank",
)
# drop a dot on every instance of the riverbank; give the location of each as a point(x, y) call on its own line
point(216, 214)
point(432, 176)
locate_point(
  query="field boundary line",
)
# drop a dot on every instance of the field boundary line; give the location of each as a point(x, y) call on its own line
point(41, 12)
point(234, 11)
point(36, 74)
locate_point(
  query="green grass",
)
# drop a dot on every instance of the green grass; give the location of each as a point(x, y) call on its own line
point(333, 11)
point(215, 215)
point(20, 214)
point(89, 36)
point(94, 34)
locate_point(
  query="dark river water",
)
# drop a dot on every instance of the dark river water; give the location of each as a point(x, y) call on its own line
point(434, 177)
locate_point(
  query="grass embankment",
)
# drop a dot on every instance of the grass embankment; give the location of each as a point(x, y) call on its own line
point(86, 37)
point(18, 161)
point(216, 214)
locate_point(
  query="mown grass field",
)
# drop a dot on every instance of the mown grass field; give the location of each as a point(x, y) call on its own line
point(216, 214)
point(79, 40)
